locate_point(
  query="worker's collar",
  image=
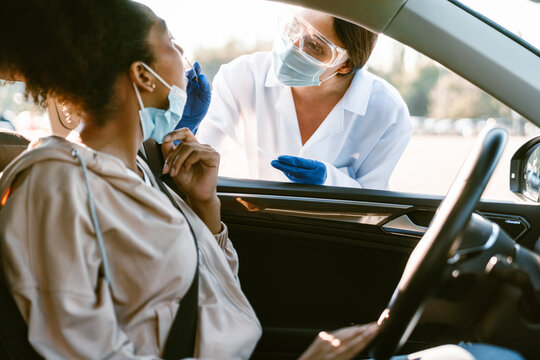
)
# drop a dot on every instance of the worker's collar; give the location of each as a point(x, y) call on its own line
point(356, 97)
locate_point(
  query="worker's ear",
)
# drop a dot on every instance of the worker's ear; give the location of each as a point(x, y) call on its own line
point(345, 68)
point(141, 77)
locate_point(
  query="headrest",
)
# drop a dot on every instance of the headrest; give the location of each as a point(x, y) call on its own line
point(11, 145)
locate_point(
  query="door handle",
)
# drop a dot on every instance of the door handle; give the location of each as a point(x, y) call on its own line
point(404, 225)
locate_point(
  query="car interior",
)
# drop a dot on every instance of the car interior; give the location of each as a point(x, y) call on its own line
point(431, 270)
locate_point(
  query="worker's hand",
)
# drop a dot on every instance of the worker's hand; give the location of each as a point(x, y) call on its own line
point(198, 100)
point(300, 170)
point(193, 166)
point(341, 344)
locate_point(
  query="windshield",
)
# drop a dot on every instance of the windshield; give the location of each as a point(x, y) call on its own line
point(518, 16)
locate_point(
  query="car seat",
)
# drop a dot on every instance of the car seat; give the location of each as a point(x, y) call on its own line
point(11, 145)
point(14, 344)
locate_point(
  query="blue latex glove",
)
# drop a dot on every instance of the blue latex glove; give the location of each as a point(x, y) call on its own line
point(198, 101)
point(300, 170)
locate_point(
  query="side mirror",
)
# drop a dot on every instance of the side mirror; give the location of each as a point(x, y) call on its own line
point(525, 171)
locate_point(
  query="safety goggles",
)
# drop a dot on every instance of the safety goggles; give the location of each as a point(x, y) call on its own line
point(312, 43)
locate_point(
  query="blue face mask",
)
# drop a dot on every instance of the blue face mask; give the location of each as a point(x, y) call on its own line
point(156, 123)
point(292, 68)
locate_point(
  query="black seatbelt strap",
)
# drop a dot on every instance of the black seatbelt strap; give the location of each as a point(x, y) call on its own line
point(181, 338)
point(154, 158)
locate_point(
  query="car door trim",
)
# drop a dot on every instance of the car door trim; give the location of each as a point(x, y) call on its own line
point(365, 216)
point(317, 200)
point(404, 225)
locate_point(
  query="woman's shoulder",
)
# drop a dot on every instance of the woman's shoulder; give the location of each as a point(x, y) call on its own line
point(49, 164)
point(384, 88)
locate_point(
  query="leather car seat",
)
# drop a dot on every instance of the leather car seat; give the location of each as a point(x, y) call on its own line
point(11, 145)
point(14, 344)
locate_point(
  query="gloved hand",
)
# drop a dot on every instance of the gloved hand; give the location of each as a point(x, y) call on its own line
point(198, 101)
point(300, 170)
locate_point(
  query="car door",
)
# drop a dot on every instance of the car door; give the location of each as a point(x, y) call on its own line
point(314, 258)
point(320, 258)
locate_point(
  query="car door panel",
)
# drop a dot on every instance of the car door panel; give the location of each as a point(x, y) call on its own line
point(319, 258)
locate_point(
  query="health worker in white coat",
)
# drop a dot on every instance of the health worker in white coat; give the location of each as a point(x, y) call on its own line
point(308, 111)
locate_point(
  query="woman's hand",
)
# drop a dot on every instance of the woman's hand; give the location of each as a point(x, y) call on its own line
point(341, 344)
point(194, 168)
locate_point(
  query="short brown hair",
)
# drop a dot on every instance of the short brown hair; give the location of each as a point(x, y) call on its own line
point(358, 42)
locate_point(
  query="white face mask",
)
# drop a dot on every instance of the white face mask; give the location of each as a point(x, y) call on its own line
point(156, 123)
point(293, 69)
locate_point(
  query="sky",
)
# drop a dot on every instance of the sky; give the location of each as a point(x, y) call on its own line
point(211, 23)
point(519, 16)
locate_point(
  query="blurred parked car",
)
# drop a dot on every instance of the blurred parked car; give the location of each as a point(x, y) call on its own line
point(6, 124)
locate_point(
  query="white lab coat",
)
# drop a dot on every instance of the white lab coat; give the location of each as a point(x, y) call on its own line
point(252, 120)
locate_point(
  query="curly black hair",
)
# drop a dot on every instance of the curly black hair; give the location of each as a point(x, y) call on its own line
point(73, 50)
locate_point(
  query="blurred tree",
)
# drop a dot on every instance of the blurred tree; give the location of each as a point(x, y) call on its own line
point(12, 99)
point(395, 75)
point(428, 89)
point(454, 98)
point(211, 59)
point(433, 91)
point(417, 91)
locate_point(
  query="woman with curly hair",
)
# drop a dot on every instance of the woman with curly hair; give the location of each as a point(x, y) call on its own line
point(92, 276)
point(103, 261)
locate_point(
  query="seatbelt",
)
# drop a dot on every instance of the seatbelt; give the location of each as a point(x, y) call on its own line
point(180, 341)
point(181, 338)
point(154, 158)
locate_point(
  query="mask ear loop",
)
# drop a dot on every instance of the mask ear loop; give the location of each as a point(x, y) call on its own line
point(141, 105)
point(329, 77)
point(334, 74)
point(138, 95)
point(157, 76)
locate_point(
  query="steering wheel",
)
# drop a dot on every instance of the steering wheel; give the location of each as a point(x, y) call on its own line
point(440, 242)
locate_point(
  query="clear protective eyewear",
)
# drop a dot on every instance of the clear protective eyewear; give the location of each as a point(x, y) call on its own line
point(314, 44)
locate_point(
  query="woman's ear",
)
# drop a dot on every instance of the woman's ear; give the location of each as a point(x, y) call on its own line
point(345, 68)
point(140, 77)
